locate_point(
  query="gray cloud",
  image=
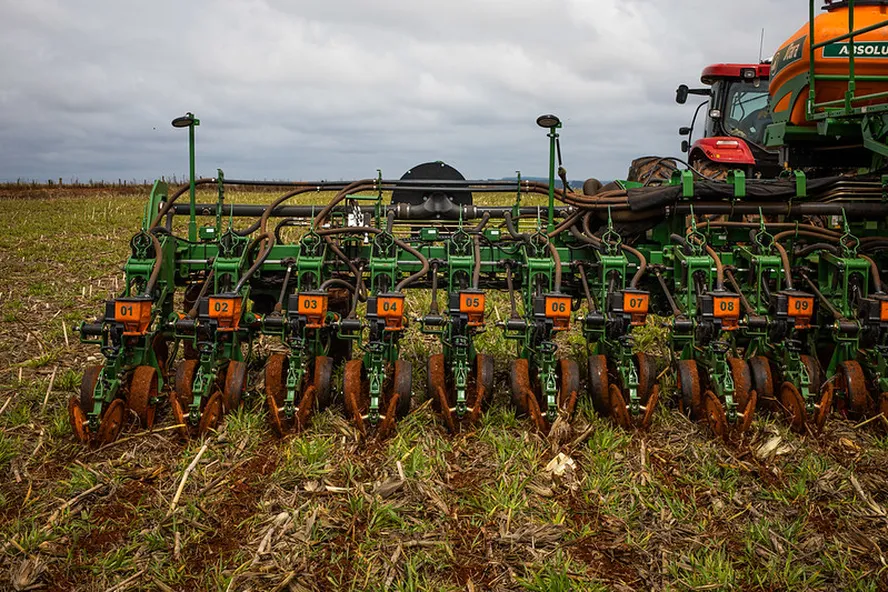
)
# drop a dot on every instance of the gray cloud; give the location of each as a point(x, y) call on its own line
point(337, 88)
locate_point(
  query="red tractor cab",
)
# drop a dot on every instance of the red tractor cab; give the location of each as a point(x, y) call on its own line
point(734, 129)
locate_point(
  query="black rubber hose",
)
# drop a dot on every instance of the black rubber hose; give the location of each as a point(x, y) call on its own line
point(510, 227)
point(832, 309)
point(590, 238)
point(513, 307)
point(736, 286)
point(589, 301)
point(362, 289)
point(476, 271)
point(203, 292)
point(158, 263)
point(787, 269)
point(805, 251)
point(259, 260)
point(338, 282)
point(719, 269)
point(557, 260)
point(676, 311)
point(877, 277)
point(279, 305)
point(485, 217)
point(172, 199)
point(368, 229)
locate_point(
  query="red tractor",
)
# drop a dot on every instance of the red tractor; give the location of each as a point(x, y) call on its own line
point(737, 115)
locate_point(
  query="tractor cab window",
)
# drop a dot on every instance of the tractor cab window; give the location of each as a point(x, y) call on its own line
point(746, 110)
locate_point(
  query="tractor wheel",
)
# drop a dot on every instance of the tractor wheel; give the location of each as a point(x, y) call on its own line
point(619, 410)
point(211, 414)
point(436, 390)
point(688, 377)
point(742, 379)
point(235, 384)
point(646, 366)
point(519, 375)
point(852, 381)
point(184, 382)
point(355, 398)
point(599, 384)
point(142, 393)
point(763, 382)
point(815, 374)
point(111, 423)
point(793, 406)
point(77, 419)
point(483, 386)
point(323, 379)
point(825, 406)
point(569, 386)
point(402, 387)
point(714, 413)
point(88, 387)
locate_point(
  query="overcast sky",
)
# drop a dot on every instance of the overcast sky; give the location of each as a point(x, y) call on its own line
point(334, 89)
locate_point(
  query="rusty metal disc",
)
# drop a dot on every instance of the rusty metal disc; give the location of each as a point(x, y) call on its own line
point(650, 407)
point(111, 422)
point(276, 377)
point(436, 390)
point(322, 377)
point(742, 378)
point(748, 413)
point(483, 385)
point(435, 377)
point(793, 406)
point(519, 375)
point(142, 390)
point(88, 387)
point(305, 407)
point(275, 415)
point(647, 375)
point(851, 378)
point(763, 382)
point(569, 375)
point(533, 410)
point(210, 414)
point(598, 384)
point(184, 382)
point(235, 382)
point(77, 418)
point(688, 378)
point(178, 415)
point(402, 387)
point(825, 406)
point(352, 386)
point(619, 410)
point(815, 374)
point(714, 414)
point(161, 348)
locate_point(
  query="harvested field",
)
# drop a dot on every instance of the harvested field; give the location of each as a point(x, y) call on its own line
point(497, 508)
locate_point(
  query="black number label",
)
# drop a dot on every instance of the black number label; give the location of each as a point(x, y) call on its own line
point(802, 305)
point(473, 302)
point(558, 307)
point(220, 306)
point(726, 305)
point(126, 311)
point(636, 303)
point(311, 303)
point(390, 306)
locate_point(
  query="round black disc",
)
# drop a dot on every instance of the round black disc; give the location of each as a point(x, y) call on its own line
point(432, 171)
